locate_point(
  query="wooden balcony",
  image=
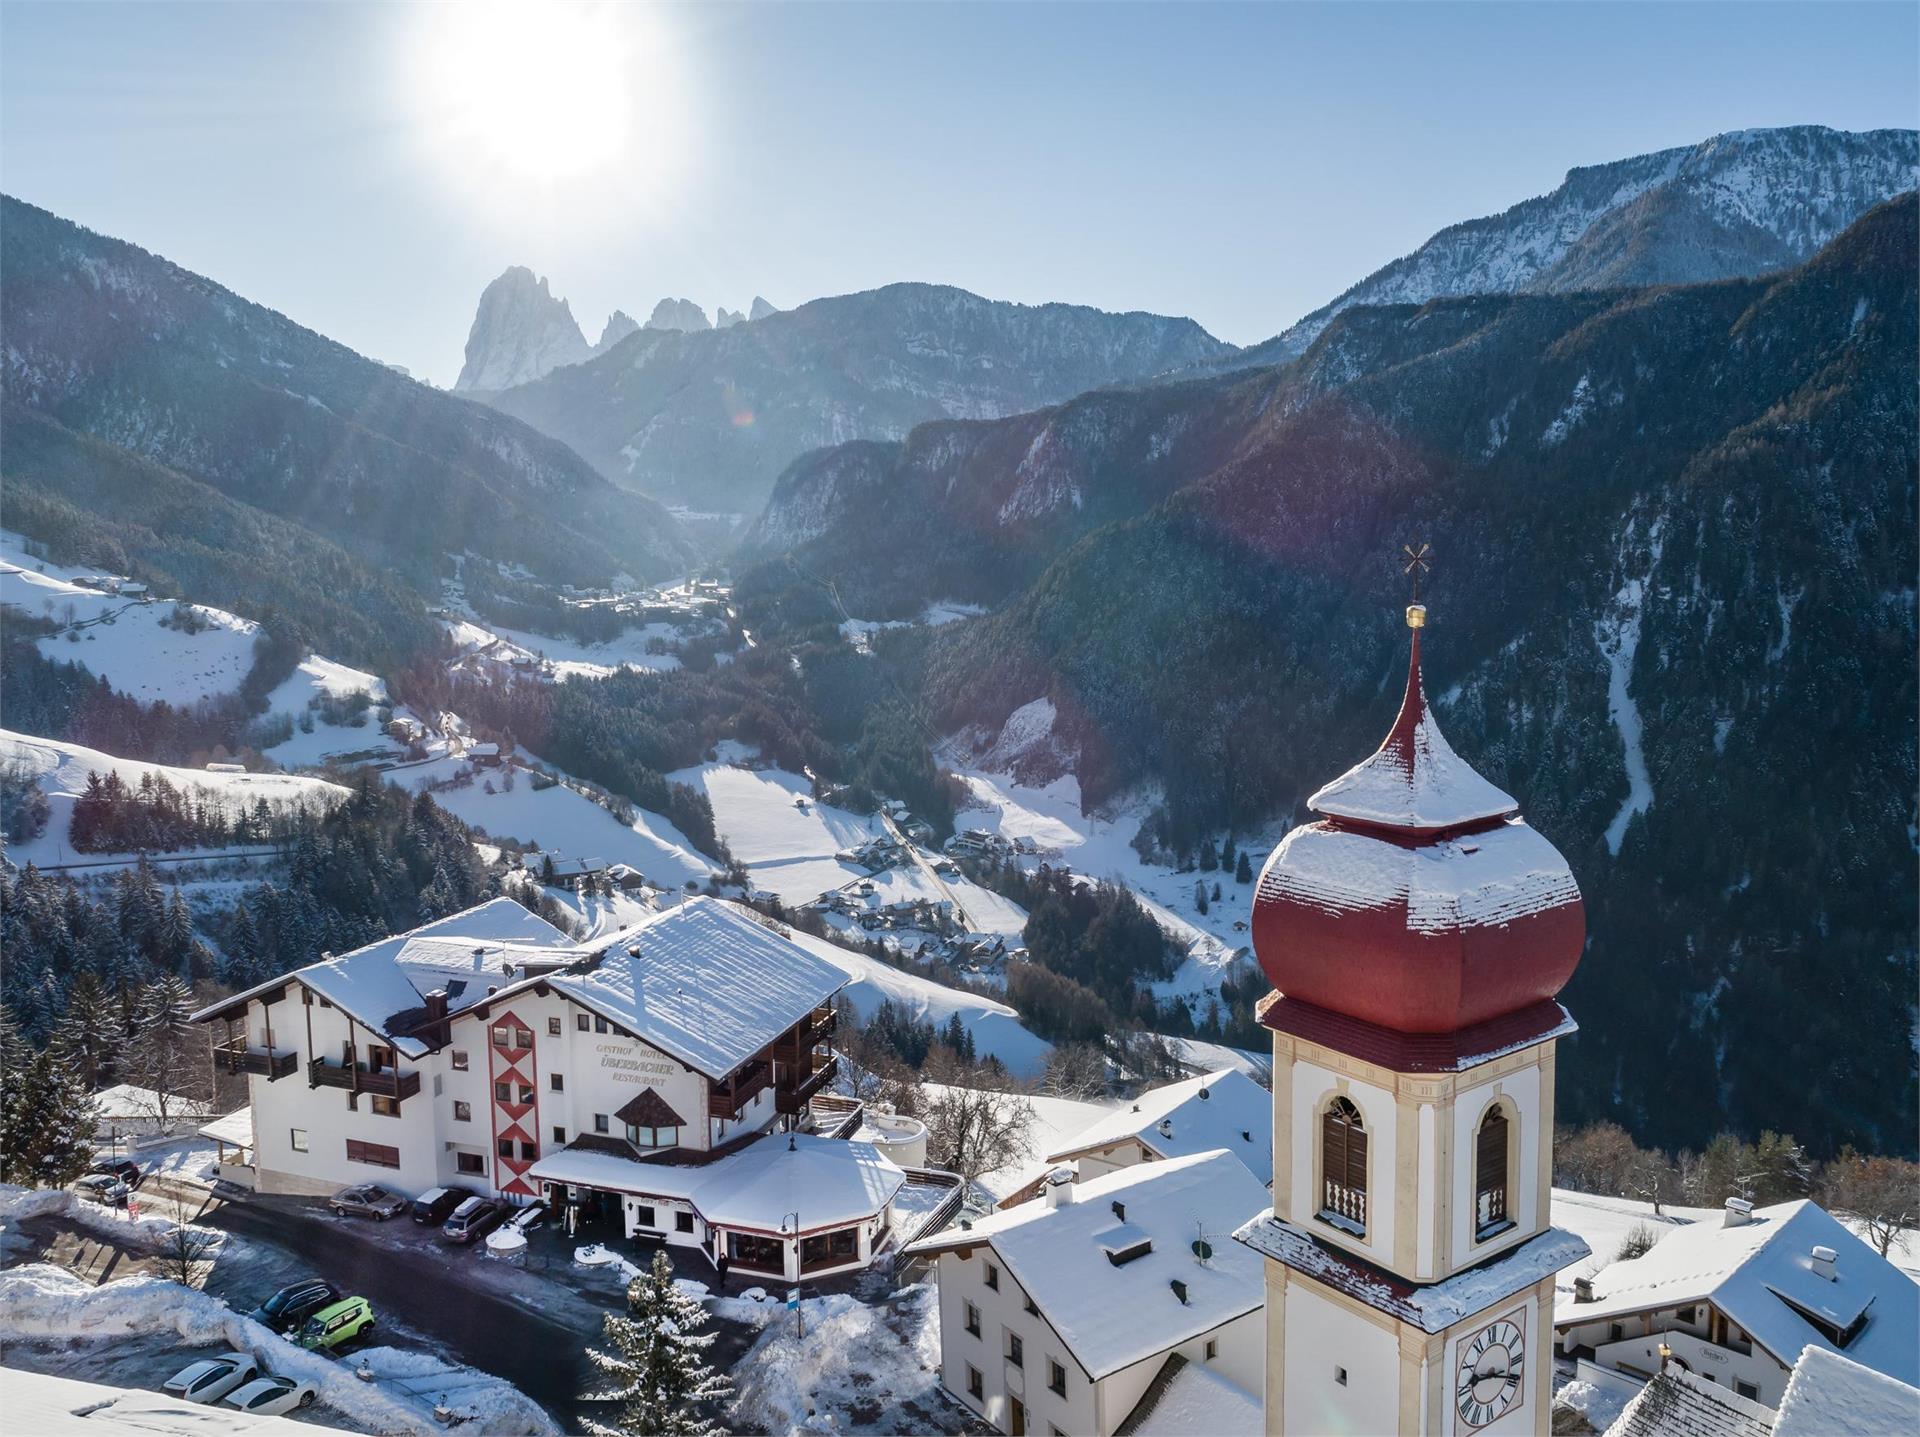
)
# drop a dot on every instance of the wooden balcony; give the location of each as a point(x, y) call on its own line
point(236, 1055)
point(382, 1082)
point(728, 1098)
point(793, 1045)
point(794, 1100)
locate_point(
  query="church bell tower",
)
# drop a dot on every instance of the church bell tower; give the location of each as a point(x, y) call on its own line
point(1416, 935)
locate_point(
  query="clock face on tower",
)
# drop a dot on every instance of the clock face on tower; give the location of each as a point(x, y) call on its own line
point(1492, 1376)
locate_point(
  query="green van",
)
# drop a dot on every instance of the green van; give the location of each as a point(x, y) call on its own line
point(331, 1326)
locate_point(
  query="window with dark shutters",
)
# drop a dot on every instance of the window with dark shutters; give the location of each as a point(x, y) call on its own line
point(1490, 1175)
point(1343, 1166)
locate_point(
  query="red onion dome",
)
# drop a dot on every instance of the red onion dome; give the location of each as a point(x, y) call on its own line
point(1420, 901)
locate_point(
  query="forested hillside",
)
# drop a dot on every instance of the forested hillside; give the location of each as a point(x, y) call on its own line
point(110, 341)
point(1673, 611)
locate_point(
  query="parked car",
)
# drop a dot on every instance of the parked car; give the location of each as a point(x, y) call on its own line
point(270, 1396)
point(295, 1303)
point(436, 1205)
point(368, 1200)
point(103, 1187)
point(331, 1326)
point(126, 1169)
point(530, 1218)
point(212, 1378)
point(472, 1220)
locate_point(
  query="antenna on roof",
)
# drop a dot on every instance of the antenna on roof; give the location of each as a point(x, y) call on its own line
point(1202, 1249)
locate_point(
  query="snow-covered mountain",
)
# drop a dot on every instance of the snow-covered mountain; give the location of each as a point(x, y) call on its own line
point(1745, 203)
point(712, 418)
point(520, 332)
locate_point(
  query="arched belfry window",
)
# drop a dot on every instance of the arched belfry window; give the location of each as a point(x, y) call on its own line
point(1490, 1205)
point(1343, 1166)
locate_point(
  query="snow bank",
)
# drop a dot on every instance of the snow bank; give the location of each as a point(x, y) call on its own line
point(852, 1371)
point(41, 1301)
point(147, 1230)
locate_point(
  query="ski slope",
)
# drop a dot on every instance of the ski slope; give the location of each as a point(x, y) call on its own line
point(61, 769)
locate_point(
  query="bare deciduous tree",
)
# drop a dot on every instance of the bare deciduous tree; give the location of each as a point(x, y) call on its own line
point(973, 1132)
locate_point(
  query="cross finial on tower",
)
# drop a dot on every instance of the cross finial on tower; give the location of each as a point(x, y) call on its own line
point(1416, 559)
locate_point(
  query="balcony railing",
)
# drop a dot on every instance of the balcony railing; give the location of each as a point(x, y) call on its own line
point(237, 1055)
point(726, 1099)
point(794, 1100)
point(381, 1082)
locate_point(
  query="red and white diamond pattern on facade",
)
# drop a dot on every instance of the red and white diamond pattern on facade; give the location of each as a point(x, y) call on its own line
point(516, 1107)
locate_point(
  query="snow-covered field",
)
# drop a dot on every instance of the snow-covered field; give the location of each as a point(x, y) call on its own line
point(787, 848)
point(571, 658)
point(61, 771)
point(136, 647)
point(1212, 943)
point(559, 820)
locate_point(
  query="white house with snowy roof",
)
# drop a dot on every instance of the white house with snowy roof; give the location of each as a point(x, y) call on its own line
point(1737, 1301)
point(1226, 1109)
point(1827, 1396)
point(641, 1076)
point(1061, 1315)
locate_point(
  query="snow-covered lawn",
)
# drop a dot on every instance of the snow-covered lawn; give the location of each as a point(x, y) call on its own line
point(40, 1302)
point(559, 820)
point(61, 771)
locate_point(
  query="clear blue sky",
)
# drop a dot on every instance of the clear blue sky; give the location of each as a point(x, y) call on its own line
point(348, 164)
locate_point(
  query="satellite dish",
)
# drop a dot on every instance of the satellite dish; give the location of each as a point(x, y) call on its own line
point(1202, 1249)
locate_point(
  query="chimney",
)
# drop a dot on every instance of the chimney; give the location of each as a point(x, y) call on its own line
point(1739, 1213)
point(1583, 1289)
point(1823, 1263)
point(1060, 1187)
point(437, 1029)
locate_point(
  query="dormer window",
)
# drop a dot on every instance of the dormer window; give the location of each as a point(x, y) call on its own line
point(1343, 1167)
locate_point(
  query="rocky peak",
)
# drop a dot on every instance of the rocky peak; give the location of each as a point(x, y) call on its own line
point(520, 332)
point(620, 324)
point(760, 309)
point(679, 314)
point(725, 318)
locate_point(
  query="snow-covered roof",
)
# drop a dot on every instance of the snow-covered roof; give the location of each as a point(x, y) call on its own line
point(234, 1129)
point(126, 1102)
point(1762, 1274)
point(829, 1182)
point(705, 981)
point(1829, 1395)
point(1226, 1109)
point(51, 1406)
point(1676, 1403)
point(1483, 879)
point(1414, 780)
point(1190, 1399)
point(387, 980)
point(1433, 1307)
point(1112, 1315)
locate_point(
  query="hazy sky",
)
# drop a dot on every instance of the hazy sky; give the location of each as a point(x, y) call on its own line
point(367, 169)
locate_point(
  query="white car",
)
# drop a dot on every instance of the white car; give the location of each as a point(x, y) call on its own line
point(213, 1378)
point(270, 1396)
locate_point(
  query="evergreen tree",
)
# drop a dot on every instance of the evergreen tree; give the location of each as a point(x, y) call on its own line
point(1243, 870)
point(1200, 895)
point(176, 933)
point(47, 1115)
point(88, 1034)
point(164, 1052)
point(1209, 859)
point(656, 1363)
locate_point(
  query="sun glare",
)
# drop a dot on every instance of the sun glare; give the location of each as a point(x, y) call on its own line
point(519, 90)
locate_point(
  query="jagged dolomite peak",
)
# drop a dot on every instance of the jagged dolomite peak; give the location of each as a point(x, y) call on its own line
point(725, 318)
point(519, 333)
point(679, 314)
point(760, 309)
point(620, 324)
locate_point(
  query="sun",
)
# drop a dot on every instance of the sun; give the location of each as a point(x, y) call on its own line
point(519, 90)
